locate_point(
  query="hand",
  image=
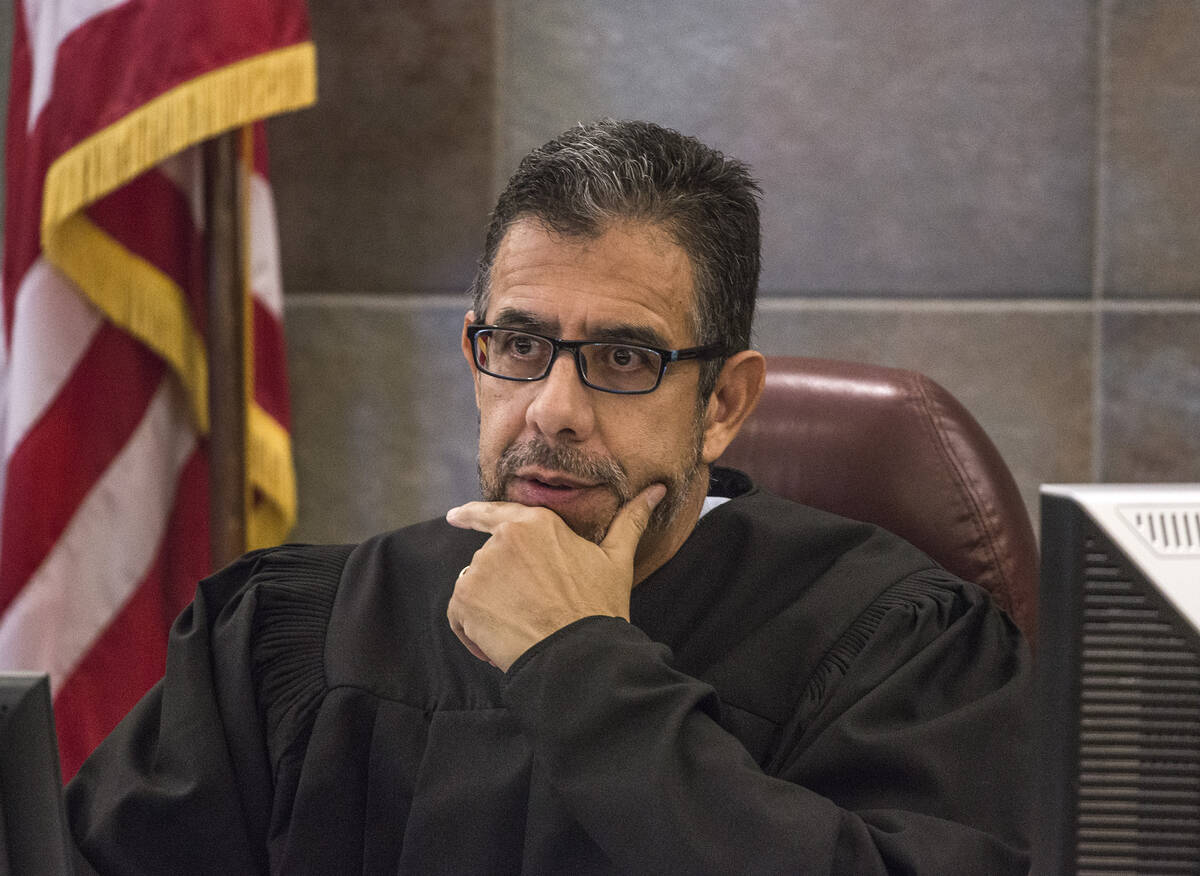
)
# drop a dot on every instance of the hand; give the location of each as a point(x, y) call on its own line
point(534, 575)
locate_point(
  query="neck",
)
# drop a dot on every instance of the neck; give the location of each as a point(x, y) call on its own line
point(656, 548)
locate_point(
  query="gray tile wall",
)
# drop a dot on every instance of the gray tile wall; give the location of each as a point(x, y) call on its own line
point(382, 185)
point(1001, 193)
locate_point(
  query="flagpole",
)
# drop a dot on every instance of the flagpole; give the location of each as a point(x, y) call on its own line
point(226, 377)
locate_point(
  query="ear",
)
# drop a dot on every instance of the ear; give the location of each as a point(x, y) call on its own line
point(465, 343)
point(736, 394)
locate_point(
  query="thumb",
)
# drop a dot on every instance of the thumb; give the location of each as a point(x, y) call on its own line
point(630, 522)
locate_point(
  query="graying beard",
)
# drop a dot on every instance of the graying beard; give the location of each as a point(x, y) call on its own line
point(606, 471)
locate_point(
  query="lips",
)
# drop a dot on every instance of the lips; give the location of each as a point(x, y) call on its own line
point(560, 492)
point(553, 479)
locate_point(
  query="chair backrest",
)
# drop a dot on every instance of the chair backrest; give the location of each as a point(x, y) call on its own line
point(891, 447)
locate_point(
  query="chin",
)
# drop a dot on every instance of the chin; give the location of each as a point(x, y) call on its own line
point(662, 519)
point(594, 530)
point(589, 512)
point(592, 526)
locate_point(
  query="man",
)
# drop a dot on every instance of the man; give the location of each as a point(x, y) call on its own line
point(619, 662)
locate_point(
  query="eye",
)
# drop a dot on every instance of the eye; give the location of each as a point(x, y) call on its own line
point(517, 345)
point(621, 358)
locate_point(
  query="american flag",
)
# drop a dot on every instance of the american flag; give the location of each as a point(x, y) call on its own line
point(103, 365)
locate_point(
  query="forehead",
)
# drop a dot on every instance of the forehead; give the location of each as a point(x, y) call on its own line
point(633, 274)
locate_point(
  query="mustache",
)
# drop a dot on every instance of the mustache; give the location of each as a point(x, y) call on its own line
point(565, 459)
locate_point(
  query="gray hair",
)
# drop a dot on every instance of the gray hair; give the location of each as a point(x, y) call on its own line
point(595, 174)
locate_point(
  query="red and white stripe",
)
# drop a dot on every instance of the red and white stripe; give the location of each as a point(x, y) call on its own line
point(103, 487)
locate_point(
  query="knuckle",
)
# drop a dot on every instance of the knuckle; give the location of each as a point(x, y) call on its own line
point(546, 517)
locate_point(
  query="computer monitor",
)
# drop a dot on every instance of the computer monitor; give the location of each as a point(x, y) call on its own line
point(1118, 666)
point(33, 824)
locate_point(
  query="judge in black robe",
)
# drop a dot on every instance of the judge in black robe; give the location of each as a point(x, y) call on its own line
point(794, 693)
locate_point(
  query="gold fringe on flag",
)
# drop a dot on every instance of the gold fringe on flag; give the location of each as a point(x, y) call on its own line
point(218, 101)
point(140, 298)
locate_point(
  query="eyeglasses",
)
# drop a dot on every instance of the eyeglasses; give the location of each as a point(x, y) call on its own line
point(628, 369)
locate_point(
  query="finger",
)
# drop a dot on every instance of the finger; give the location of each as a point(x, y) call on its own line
point(483, 516)
point(459, 630)
point(475, 650)
point(627, 527)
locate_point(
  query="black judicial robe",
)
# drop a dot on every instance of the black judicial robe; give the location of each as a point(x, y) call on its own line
point(796, 693)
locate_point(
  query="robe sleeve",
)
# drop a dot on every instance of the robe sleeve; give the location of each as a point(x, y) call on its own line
point(184, 783)
point(173, 787)
point(907, 751)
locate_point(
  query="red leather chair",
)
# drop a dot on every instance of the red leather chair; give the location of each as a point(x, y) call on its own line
point(892, 447)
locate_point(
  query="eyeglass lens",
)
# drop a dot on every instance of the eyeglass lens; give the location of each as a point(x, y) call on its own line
point(618, 367)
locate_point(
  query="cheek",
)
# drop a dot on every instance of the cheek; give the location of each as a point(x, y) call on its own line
point(650, 441)
point(501, 419)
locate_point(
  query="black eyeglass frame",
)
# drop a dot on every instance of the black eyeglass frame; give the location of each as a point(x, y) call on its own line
point(557, 345)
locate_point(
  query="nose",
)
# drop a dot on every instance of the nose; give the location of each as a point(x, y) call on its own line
point(562, 406)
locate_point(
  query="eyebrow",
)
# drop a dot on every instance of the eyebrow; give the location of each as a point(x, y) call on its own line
point(523, 320)
point(512, 318)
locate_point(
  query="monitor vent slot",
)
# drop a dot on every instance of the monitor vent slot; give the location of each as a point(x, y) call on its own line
point(1139, 752)
point(1170, 531)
